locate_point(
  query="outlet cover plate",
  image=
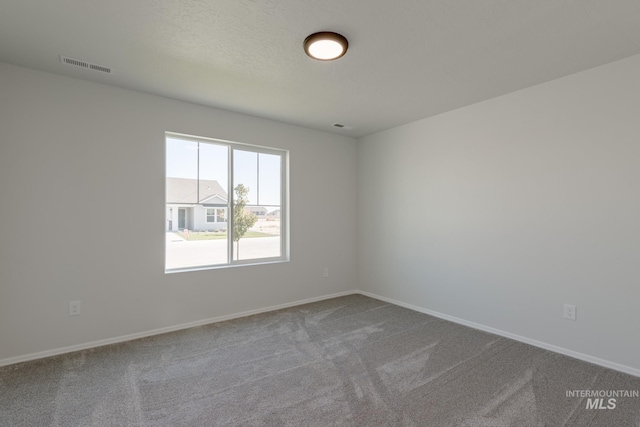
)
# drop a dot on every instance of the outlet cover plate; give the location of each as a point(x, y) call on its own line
point(570, 311)
point(74, 308)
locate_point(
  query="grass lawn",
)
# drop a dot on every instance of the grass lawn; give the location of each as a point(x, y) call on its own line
point(213, 235)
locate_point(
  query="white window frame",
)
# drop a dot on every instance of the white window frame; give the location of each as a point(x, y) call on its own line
point(284, 202)
point(207, 216)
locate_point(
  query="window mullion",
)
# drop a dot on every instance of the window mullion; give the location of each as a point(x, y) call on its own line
point(258, 179)
point(230, 224)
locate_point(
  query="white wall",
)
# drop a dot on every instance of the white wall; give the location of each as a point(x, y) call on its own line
point(505, 210)
point(74, 153)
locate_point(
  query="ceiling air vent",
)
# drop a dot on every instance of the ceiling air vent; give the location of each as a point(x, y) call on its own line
point(84, 64)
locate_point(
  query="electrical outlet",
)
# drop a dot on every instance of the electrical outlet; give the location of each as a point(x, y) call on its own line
point(74, 308)
point(570, 311)
point(325, 273)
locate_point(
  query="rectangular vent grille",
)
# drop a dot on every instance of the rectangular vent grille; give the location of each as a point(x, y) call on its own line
point(85, 64)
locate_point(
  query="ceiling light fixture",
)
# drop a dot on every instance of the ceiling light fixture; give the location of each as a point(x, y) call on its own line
point(325, 46)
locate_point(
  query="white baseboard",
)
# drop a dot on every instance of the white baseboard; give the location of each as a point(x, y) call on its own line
point(576, 355)
point(124, 338)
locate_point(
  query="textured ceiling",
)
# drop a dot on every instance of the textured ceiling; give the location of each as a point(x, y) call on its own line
point(407, 60)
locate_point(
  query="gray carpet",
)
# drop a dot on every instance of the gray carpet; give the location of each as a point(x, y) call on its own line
point(350, 361)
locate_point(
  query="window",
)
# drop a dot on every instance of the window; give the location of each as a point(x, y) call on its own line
point(211, 215)
point(225, 203)
point(216, 215)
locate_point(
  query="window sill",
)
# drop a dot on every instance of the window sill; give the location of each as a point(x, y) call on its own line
point(246, 263)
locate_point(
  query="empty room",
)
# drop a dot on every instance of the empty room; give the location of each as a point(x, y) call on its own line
point(320, 213)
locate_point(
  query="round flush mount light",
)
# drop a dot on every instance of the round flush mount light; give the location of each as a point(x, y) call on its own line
point(325, 46)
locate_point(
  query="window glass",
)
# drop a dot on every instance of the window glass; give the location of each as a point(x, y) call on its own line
point(206, 181)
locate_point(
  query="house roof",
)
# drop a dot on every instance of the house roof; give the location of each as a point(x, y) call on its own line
point(184, 190)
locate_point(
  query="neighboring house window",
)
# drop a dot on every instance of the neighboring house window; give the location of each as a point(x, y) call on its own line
point(218, 198)
point(211, 215)
point(215, 215)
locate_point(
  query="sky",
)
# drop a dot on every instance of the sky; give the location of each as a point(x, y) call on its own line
point(258, 171)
